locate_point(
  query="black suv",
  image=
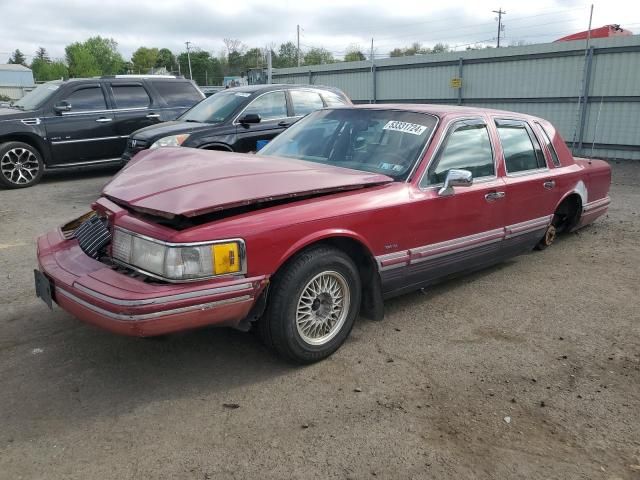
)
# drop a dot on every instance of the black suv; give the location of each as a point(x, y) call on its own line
point(84, 121)
point(235, 119)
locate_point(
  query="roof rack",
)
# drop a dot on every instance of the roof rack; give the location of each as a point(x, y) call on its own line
point(142, 76)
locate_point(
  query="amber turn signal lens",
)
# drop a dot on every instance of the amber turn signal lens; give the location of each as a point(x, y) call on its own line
point(226, 258)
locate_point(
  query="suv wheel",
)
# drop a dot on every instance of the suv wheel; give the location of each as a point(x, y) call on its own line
point(313, 305)
point(21, 165)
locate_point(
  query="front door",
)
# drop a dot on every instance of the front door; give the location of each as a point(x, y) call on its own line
point(274, 119)
point(458, 231)
point(85, 133)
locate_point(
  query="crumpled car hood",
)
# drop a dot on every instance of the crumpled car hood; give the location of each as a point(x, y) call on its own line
point(190, 182)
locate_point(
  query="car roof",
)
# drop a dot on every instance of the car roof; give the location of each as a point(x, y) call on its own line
point(440, 110)
point(280, 86)
point(127, 78)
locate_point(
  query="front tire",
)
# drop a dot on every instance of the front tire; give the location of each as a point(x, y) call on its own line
point(21, 165)
point(313, 305)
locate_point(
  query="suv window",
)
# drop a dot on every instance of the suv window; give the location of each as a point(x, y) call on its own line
point(177, 94)
point(87, 99)
point(552, 150)
point(333, 100)
point(305, 101)
point(521, 149)
point(467, 147)
point(269, 106)
point(130, 96)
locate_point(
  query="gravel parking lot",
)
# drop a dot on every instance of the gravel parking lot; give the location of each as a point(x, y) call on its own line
point(530, 369)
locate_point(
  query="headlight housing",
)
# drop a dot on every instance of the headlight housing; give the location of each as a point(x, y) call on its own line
point(179, 262)
point(170, 141)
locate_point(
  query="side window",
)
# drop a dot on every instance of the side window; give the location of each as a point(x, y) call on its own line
point(522, 151)
point(87, 99)
point(467, 147)
point(333, 100)
point(130, 96)
point(269, 106)
point(305, 101)
point(549, 145)
point(177, 94)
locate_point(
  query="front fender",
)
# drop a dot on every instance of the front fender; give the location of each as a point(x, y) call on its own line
point(319, 236)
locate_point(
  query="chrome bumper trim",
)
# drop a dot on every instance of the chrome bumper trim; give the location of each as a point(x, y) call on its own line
point(149, 316)
point(164, 299)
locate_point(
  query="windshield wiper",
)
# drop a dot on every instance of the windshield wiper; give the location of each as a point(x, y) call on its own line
point(192, 121)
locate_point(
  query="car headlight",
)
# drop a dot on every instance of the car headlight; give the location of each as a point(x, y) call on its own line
point(179, 262)
point(171, 141)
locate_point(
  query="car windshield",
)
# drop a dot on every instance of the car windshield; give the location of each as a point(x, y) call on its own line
point(217, 108)
point(35, 98)
point(379, 141)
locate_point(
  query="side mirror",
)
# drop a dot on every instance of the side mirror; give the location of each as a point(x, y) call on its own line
point(62, 106)
point(250, 118)
point(455, 178)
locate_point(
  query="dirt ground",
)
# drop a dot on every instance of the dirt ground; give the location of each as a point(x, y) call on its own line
point(527, 370)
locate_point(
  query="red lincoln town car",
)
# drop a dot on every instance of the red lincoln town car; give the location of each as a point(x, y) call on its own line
point(346, 208)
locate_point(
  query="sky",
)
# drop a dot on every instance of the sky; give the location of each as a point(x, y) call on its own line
point(331, 24)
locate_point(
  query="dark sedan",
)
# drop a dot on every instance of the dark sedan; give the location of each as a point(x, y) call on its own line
point(237, 119)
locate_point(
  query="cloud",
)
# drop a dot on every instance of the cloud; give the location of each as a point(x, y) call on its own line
point(331, 24)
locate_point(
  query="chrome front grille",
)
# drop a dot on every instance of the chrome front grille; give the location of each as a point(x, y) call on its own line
point(93, 235)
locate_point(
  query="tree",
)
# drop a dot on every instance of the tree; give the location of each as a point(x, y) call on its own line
point(95, 56)
point(318, 56)
point(41, 54)
point(440, 48)
point(144, 59)
point(206, 69)
point(166, 59)
point(105, 53)
point(45, 70)
point(81, 62)
point(396, 52)
point(287, 56)
point(354, 54)
point(17, 58)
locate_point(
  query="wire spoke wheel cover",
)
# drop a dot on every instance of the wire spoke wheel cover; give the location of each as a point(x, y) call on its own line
point(19, 166)
point(323, 307)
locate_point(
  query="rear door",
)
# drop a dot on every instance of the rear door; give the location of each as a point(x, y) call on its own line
point(134, 109)
point(531, 191)
point(86, 132)
point(274, 119)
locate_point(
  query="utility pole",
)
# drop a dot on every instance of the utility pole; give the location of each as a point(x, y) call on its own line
point(269, 67)
point(500, 12)
point(298, 32)
point(188, 44)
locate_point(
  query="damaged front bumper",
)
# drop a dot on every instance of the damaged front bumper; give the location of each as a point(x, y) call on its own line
point(99, 295)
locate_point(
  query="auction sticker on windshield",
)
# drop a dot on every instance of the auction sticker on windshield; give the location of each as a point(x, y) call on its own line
point(412, 128)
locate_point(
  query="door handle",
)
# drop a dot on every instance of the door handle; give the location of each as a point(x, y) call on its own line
point(549, 184)
point(153, 115)
point(104, 120)
point(493, 196)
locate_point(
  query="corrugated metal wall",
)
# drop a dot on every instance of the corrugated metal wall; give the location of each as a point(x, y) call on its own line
point(544, 80)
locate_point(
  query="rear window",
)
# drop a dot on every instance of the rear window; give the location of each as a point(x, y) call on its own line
point(550, 147)
point(130, 96)
point(178, 94)
point(333, 100)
